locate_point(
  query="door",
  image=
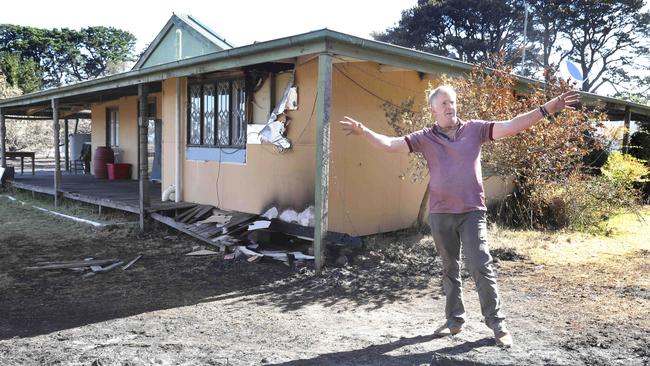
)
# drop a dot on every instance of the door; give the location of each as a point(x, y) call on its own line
point(154, 145)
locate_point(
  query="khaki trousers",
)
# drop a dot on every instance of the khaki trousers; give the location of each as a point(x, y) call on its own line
point(468, 231)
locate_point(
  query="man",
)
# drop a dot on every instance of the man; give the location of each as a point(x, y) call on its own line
point(452, 149)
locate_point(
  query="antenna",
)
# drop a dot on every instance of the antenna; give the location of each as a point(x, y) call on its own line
point(523, 53)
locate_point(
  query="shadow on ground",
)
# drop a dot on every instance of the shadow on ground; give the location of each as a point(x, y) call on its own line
point(378, 354)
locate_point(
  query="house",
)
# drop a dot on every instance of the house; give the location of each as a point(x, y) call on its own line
point(207, 103)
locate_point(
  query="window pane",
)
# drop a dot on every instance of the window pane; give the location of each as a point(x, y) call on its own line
point(116, 120)
point(223, 112)
point(195, 114)
point(239, 113)
point(114, 128)
point(208, 114)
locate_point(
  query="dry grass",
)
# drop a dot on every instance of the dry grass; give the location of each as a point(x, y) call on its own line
point(629, 233)
point(596, 281)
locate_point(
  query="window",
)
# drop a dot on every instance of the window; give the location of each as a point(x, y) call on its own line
point(112, 127)
point(217, 113)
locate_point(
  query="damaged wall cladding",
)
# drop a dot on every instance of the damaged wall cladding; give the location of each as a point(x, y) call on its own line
point(267, 177)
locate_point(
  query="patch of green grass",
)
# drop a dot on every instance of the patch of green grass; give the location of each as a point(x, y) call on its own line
point(630, 223)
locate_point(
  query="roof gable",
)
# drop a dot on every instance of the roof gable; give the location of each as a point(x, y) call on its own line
point(196, 40)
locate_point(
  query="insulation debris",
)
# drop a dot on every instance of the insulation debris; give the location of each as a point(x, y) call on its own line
point(271, 213)
point(253, 256)
point(292, 99)
point(304, 218)
point(275, 131)
point(289, 215)
point(283, 256)
point(261, 224)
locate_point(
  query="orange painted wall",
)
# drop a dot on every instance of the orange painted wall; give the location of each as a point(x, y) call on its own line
point(369, 191)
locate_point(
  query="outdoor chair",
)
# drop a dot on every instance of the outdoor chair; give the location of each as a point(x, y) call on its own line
point(82, 161)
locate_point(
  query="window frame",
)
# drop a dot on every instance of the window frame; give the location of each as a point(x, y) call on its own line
point(233, 114)
point(112, 127)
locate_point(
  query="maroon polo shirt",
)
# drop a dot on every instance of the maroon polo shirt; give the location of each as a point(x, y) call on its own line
point(456, 182)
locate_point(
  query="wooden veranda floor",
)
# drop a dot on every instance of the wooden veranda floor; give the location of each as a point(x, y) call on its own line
point(118, 194)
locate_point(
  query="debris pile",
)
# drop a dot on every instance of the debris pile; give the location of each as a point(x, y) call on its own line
point(285, 236)
point(87, 267)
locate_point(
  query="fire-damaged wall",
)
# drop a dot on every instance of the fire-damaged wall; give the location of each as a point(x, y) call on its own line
point(368, 190)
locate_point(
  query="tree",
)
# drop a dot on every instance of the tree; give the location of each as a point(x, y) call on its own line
point(95, 49)
point(67, 55)
point(470, 30)
point(23, 74)
point(545, 19)
point(607, 38)
point(7, 90)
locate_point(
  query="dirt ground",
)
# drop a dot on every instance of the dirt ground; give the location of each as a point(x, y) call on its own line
point(571, 299)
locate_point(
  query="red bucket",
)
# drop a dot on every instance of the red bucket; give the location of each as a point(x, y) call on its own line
point(118, 171)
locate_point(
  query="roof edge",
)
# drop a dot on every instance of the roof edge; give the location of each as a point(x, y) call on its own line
point(329, 38)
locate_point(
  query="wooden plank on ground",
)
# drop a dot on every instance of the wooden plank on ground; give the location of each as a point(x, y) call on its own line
point(186, 212)
point(181, 227)
point(197, 216)
point(212, 231)
point(74, 264)
point(169, 206)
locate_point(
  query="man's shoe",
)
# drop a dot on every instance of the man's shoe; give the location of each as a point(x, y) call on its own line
point(449, 328)
point(502, 336)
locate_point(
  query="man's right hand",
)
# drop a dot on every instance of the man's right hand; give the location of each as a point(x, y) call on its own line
point(351, 126)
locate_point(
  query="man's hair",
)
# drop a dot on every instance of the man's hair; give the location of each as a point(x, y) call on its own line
point(439, 90)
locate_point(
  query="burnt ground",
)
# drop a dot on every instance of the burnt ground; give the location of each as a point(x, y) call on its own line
point(570, 299)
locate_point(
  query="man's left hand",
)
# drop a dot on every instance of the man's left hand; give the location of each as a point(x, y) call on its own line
point(566, 100)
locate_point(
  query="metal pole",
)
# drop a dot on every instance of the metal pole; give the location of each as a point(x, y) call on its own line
point(626, 133)
point(3, 134)
point(67, 145)
point(323, 107)
point(178, 178)
point(143, 126)
point(57, 155)
point(523, 54)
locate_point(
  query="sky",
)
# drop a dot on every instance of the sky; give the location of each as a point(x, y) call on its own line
point(240, 22)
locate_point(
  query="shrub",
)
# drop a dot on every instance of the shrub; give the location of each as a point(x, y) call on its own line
point(625, 170)
point(640, 146)
point(581, 202)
